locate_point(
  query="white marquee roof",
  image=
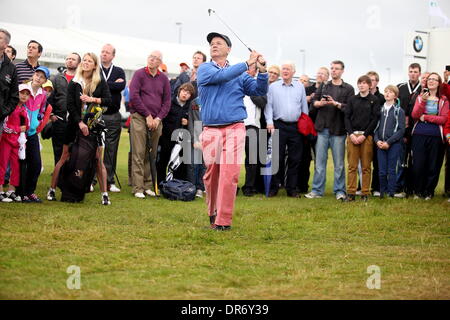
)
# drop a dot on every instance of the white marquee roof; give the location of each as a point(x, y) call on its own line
point(131, 52)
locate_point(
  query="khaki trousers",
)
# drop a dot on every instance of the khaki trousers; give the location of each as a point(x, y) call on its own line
point(141, 144)
point(355, 153)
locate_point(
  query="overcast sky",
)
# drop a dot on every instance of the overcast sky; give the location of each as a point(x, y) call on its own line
point(364, 34)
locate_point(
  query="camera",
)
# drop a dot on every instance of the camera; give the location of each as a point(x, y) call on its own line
point(326, 97)
point(426, 90)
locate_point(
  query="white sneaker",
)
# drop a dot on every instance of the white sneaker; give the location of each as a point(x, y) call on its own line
point(5, 198)
point(51, 195)
point(199, 193)
point(400, 195)
point(376, 193)
point(448, 200)
point(359, 193)
point(150, 193)
point(91, 189)
point(139, 195)
point(312, 195)
point(105, 200)
point(113, 188)
point(341, 196)
point(427, 198)
point(416, 197)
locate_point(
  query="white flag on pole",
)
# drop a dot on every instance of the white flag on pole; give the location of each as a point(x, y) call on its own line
point(436, 11)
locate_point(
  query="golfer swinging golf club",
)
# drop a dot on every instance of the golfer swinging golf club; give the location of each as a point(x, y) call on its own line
point(222, 88)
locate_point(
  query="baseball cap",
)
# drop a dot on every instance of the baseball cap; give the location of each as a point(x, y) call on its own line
point(184, 64)
point(212, 35)
point(24, 86)
point(44, 70)
point(48, 84)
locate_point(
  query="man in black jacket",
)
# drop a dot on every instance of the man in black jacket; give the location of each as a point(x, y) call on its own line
point(407, 90)
point(115, 77)
point(375, 78)
point(361, 116)
point(58, 100)
point(9, 90)
point(330, 100)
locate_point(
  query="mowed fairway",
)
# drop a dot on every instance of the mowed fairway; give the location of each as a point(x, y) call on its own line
point(279, 248)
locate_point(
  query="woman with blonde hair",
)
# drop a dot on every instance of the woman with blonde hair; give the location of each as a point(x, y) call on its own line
point(86, 88)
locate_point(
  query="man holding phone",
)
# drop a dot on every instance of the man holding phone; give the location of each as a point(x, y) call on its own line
point(330, 101)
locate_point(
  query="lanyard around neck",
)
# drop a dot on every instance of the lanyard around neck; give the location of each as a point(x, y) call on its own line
point(109, 72)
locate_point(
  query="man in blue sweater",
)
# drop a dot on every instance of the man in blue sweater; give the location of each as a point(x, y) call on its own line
point(221, 89)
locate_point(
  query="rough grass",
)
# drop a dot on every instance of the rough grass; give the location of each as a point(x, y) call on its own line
point(279, 248)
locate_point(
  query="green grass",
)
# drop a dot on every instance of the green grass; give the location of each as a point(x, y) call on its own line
point(279, 248)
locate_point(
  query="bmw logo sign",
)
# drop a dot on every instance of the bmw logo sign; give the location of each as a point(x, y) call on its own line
point(418, 44)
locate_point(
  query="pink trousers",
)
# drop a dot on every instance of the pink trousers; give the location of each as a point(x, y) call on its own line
point(222, 152)
point(9, 153)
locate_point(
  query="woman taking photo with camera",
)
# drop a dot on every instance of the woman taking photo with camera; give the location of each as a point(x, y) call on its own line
point(86, 89)
point(429, 114)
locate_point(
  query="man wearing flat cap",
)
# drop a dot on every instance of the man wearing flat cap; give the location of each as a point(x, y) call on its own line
point(221, 89)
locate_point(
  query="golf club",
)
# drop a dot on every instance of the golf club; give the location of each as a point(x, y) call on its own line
point(213, 11)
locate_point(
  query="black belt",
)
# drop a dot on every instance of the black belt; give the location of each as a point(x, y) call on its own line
point(287, 123)
point(222, 125)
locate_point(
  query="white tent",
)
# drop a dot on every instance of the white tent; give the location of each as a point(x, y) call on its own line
point(131, 52)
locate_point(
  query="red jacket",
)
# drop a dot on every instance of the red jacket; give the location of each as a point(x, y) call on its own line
point(13, 122)
point(440, 119)
point(306, 126)
point(445, 90)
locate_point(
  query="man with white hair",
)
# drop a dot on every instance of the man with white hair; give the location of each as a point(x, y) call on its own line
point(304, 79)
point(221, 89)
point(286, 100)
point(149, 104)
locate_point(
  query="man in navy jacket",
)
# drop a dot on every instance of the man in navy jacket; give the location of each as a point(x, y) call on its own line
point(115, 77)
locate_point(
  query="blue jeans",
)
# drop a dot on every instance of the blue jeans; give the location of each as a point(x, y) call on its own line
point(387, 167)
point(337, 144)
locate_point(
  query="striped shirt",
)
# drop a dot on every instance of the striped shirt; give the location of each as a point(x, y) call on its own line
point(25, 71)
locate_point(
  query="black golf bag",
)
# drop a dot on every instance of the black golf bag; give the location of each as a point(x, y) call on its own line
point(76, 174)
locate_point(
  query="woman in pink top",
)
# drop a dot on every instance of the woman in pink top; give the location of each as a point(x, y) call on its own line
point(430, 114)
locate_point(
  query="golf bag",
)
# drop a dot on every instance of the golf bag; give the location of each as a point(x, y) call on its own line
point(76, 174)
point(176, 189)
